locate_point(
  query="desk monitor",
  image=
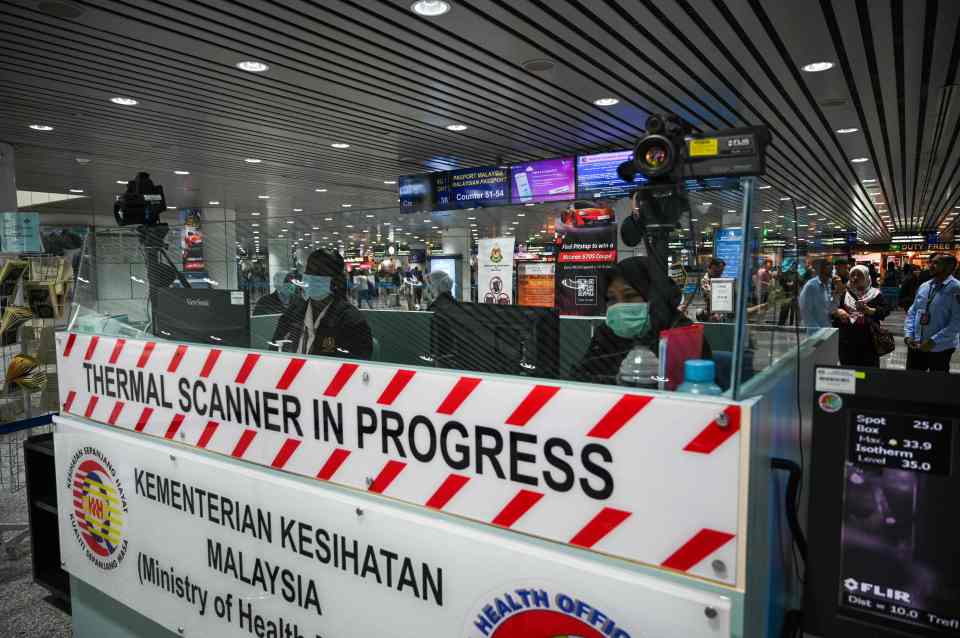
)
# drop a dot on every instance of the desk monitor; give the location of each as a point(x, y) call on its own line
point(516, 340)
point(219, 317)
point(884, 530)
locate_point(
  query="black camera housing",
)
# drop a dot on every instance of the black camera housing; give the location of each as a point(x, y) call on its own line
point(141, 204)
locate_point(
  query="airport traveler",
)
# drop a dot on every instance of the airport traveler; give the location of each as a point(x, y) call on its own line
point(859, 317)
point(714, 270)
point(932, 325)
point(891, 279)
point(638, 310)
point(842, 269)
point(908, 287)
point(445, 320)
point(322, 321)
point(790, 289)
point(439, 287)
point(278, 300)
point(874, 274)
point(761, 282)
point(817, 302)
point(926, 274)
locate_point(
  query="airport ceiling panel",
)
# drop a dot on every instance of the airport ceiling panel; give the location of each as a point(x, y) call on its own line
point(869, 144)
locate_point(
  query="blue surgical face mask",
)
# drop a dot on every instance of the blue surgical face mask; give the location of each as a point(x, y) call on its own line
point(629, 320)
point(284, 291)
point(316, 286)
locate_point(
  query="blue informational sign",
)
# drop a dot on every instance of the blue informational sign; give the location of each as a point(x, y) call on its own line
point(597, 175)
point(931, 237)
point(851, 238)
point(20, 233)
point(483, 186)
point(728, 246)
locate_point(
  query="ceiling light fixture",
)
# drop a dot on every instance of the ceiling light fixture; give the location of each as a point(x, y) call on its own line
point(817, 67)
point(430, 8)
point(346, 205)
point(846, 131)
point(340, 145)
point(860, 160)
point(76, 190)
point(122, 181)
point(606, 101)
point(263, 197)
point(41, 127)
point(456, 127)
point(252, 66)
point(252, 160)
point(763, 188)
point(214, 203)
point(255, 214)
point(124, 101)
point(181, 172)
point(320, 190)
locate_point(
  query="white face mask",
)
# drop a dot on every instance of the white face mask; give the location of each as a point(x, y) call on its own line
point(317, 286)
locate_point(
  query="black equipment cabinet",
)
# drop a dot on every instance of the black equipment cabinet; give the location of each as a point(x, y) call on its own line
point(884, 530)
point(41, 478)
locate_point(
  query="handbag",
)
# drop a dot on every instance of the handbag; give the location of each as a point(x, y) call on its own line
point(883, 342)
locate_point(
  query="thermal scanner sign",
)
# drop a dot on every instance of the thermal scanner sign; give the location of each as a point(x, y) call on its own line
point(571, 464)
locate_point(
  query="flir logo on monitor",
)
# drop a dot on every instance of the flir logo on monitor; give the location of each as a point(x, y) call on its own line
point(853, 585)
point(197, 302)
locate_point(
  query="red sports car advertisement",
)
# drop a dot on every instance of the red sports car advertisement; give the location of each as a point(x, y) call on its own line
point(586, 248)
point(191, 243)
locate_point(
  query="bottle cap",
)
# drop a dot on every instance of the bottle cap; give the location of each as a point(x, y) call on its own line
point(698, 371)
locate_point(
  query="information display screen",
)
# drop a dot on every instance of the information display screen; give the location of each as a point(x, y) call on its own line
point(549, 180)
point(416, 193)
point(897, 541)
point(597, 175)
point(727, 245)
point(483, 186)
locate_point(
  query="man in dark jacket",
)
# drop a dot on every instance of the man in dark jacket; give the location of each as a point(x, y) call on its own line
point(277, 301)
point(324, 322)
point(629, 283)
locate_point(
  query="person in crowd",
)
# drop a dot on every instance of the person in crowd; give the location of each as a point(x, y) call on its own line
point(277, 301)
point(714, 271)
point(932, 325)
point(817, 303)
point(891, 278)
point(842, 270)
point(761, 282)
point(440, 287)
point(861, 308)
point(908, 287)
point(790, 287)
point(874, 274)
point(362, 283)
point(446, 319)
point(638, 310)
point(322, 321)
point(926, 274)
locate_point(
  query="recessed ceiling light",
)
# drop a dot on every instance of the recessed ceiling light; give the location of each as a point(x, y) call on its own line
point(320, 190)
point(860, 160)
point(252, 160)
point(255, 225)
point(181, 172)
point(340, 145)
point(124, 101)
point(430, 8)
point(346, 205)
point(289, 221)
point(263, 197)
point(41, 127)
point(606, 101)
point(328, 219)
point(816, 67)
point(171, 208)
point(298, 210)
point(214, 203)
point(255, 214)
point(456, 127)
point(763, 188)
point(76, 190)
point(706, 203)
point(252, 66)
point(389, 181)
point(316, 228)
point(847, 131)
point(122, 181)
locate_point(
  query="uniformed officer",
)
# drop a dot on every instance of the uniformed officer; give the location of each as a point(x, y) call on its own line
point(933, 321)
point(322, 321)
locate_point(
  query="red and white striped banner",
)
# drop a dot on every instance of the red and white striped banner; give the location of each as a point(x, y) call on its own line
point(652, 479)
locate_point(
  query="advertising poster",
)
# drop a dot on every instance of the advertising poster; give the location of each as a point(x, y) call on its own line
point(20, 233)
point(536, 284)
point(191, 241)
point(549, 180)
point(587, 243)
point(495, 270)
point(897, 538)
point(597, 175)
point(482, 186)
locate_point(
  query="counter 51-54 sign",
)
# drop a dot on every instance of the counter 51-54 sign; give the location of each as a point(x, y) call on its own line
point(573, 464)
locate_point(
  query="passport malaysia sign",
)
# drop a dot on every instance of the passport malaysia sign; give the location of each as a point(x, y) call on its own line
point(579, 465)
point(218, 548)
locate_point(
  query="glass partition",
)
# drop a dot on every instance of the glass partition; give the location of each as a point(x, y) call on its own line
point(552, 291)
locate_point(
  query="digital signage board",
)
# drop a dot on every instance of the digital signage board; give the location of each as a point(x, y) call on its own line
point(416, 193)
point(481, 186)
point(597, 175)
point(548, 180)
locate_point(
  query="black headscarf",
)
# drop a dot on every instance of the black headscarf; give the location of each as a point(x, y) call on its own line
point(664, 296)
point(329, 264)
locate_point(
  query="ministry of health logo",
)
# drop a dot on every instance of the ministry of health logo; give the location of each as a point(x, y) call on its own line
point(99, 509)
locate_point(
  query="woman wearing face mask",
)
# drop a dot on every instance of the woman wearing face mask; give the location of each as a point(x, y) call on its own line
point(636, 314)
point(322, 321)
point(278, 300)
point(861, 305)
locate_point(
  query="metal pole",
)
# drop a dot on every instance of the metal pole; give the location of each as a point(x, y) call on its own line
point(747, 186)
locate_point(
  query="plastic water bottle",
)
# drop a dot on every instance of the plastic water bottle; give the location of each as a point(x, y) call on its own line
point(699, 377)
point(639, 369)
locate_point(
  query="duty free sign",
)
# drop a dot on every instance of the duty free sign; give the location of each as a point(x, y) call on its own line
point(651, 479)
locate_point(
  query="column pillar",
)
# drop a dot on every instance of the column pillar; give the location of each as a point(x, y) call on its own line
point(456, 241)
point(278, 258)
point(8, 182)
